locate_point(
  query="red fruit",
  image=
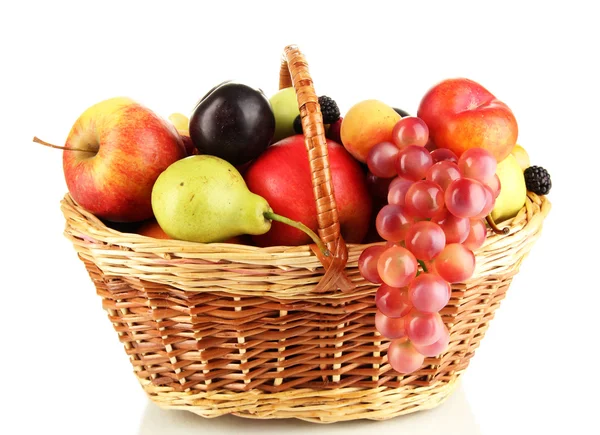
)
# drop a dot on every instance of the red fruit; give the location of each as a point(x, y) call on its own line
point(334, 131)
point(129, 147)
point(190, 148)
point(461, 114)
point(281, 175)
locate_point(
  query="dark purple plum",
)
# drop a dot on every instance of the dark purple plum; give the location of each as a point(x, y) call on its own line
point(234, 122)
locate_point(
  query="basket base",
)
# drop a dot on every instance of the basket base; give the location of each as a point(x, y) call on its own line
point(317, 406)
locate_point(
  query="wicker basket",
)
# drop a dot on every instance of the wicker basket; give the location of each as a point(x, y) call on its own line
point(281, 332)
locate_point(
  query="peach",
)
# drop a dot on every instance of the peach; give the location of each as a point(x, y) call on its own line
point(366, 124)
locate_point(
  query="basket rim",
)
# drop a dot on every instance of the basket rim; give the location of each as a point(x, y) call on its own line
point(529, 217)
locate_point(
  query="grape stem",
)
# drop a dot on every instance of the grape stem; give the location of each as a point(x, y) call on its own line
point(298, 225)
point(495, 228)
point(37, 140)
point(423, 266)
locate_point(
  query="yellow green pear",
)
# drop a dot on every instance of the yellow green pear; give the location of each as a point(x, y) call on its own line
point(205, 199)
point(513, 191)
point(522, 157)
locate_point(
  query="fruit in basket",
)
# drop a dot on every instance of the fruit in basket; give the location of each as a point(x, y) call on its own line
point(234, 122)
point(432, 226)
point(122, 148)
point(285, 108)
point(204, 199)
point(329, 109)
point(462, 114)
point(522, 156)
point(151, 228)
point(410, 130)
point(330, 114)
point(181, 124)
point(403, 356)
point(513, 192)
point(366, 124)
point(537, 180)
point(334, 132)
point(282, 176)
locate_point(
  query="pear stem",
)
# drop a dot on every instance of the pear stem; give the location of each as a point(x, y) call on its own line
point(37, 140)
point(298, 225)
point(495, 228)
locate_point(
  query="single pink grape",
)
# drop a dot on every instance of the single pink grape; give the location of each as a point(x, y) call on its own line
point(413, 162)
point(425, 239)
point(390, 327)
point(443, 173)
point(478, 164)
point(437, 348)
point(397, 266)
point(465, 197)
point(477, 235)
point(455, 228)
point(392, 222)
point(403, 356)
point(397, 190)
point(429, 293)
point(392, 301)
point(367, 263)
point(424, 329)
point(424, 199)
point(410, 130)
point(455, 263)
point(381, 159)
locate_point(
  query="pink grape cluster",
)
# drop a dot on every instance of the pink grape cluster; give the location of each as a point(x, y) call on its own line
point(434, 218)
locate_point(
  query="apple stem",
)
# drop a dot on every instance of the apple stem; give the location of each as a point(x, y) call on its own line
point(298, 225)
point(495, 228)
point(37, 140)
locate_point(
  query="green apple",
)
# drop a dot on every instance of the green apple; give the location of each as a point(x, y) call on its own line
point(285, 107)
point(513, 191)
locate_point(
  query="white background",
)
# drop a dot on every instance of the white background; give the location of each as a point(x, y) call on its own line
point(62, 367)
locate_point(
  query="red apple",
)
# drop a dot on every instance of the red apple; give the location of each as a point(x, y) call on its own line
point(462, 114)
point(281, 175)
point(124, 147)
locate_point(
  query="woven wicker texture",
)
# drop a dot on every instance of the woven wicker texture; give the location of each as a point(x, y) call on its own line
point(222, 328)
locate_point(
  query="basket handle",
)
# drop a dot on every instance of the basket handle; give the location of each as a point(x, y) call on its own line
point(294, 72)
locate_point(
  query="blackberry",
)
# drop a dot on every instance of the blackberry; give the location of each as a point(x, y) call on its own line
point(329, 110)
point(537, 180)
point(298, 125)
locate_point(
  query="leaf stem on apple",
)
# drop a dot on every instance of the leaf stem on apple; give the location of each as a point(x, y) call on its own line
point(298, 225)
point(494, 227)
point(37, 140)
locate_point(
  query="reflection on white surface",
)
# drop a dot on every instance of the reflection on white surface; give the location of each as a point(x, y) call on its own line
point(454, 416)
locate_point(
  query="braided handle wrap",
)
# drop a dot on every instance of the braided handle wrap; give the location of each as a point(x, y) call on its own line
point(294, 72)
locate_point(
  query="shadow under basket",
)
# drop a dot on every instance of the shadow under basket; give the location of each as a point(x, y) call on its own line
point(265, 332)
